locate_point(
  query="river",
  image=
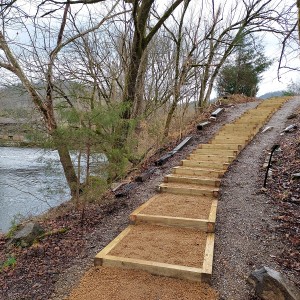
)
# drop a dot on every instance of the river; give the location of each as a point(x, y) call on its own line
point(31, 182)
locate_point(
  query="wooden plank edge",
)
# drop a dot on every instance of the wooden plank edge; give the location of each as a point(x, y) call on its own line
point(188, 191)
point(156, 268)
point(192, 179)
point(209, 253)
point(173, 221)
point(212, 216)
point(114, 242)
point(142, 207)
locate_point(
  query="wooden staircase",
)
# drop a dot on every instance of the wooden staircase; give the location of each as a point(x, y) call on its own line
point(184, 212)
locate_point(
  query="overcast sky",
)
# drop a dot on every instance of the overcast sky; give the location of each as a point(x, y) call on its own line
point(270, 80)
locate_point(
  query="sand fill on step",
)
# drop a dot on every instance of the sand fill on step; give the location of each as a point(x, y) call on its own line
point(118, 284)
point(184, 206)
point(171, 245)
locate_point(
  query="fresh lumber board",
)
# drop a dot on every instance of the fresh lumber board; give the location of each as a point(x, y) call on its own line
point(156, 268)
point(115, 241)
point(201, 164)
point(186, 189)
point(207, 151)
point(198, 172)
point(208, 255)
point(227, 141)
point(221, 146)
point(200, 224)
point(144, 205)
point(212, 158)
point(192, 180)
point(234, 136)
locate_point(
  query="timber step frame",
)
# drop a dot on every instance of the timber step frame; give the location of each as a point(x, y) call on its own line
point(201, 274)
point(192, 179)
point(188, 189)
point(206, 164)
point(207, 225)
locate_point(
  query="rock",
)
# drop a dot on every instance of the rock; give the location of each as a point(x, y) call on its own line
point(296, 176)
point(27, 234)
point(290, 128)
point(292, 116)
point(265, 165)
point(267, 129)
point(270, 285)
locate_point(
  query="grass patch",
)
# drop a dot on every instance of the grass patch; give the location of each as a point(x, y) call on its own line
point(9, 263)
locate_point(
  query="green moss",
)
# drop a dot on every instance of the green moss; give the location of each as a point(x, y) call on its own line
point(10, 262)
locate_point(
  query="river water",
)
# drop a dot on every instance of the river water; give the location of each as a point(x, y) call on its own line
point(31, 182)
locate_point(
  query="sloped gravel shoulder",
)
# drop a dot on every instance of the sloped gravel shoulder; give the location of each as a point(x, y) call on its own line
point(246, 236)
point(117, 220)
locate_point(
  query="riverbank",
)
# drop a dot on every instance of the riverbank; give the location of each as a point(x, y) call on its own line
point(51, 268)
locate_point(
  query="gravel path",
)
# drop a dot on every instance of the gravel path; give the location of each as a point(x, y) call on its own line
point(117, 220)
point(245, 232)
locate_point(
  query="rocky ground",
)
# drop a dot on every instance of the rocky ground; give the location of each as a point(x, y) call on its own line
point(246, 234)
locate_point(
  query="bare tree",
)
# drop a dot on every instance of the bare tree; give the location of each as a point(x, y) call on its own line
point(18, 64)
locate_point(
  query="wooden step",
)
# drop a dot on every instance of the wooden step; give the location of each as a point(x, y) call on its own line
point(220, 141)
point(121, 253)
point(178, 210)
point(211, 173)
point(238, 130)
point(192, 180)
point(188, 189)
point(221, 146)
point(204, 164)
point(234, 135)
point(228, 141)
point(234, 125)
point(215, 158)
point(208, 151)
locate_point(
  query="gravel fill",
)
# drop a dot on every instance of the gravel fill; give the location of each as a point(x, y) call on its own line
point(118, 284)
point(246, 236)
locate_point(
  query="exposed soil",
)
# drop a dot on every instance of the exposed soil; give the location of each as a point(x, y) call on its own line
point(184, 247)
point(118, 284)
point(245, 238)
point(184, 206)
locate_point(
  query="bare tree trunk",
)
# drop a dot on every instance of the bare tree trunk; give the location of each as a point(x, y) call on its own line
point(139, 44)
point(45, 108)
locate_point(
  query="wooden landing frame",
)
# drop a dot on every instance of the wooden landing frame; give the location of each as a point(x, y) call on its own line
point(207, 225)
point(202, 274)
